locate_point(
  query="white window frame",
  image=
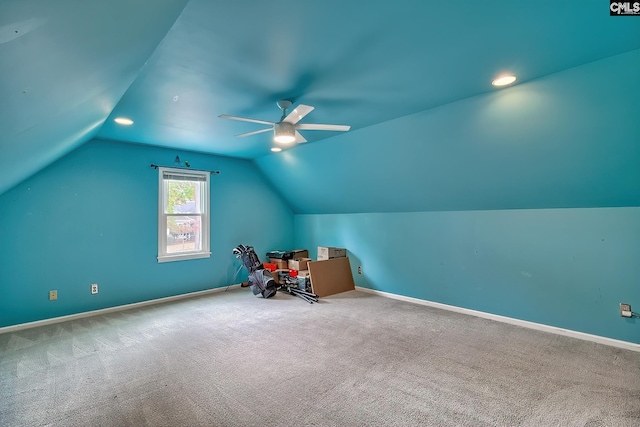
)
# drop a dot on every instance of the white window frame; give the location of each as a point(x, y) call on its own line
point(202, 177)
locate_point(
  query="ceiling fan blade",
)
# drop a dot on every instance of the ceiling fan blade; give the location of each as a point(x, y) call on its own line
point(245, 119)
point(299, 138)
point(254, 132)
point(298, 113)
point(311, 126)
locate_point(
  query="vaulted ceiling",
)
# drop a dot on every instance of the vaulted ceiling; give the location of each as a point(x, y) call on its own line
point(68, 68)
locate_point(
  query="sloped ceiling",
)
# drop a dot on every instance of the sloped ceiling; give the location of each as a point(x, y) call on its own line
point(64, 65)
point(567, 140)
point(68, 68)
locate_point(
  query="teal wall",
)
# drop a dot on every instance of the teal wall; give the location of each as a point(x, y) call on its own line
point(91, 217)
point(568, 268)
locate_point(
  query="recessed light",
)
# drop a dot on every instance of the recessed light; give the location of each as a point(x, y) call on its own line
point(276, 149)
point(123, 121)
point(504, 80)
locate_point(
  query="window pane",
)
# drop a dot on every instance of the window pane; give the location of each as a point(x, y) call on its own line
point(183, 215)
point(182, 196)
point(184, 234)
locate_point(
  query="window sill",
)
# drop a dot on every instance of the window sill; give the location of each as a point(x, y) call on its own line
point(184, 257)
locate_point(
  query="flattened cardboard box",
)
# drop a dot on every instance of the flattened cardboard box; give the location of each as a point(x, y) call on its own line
point(331, 276)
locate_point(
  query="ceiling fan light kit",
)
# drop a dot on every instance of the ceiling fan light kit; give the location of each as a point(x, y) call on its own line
point(286, 130)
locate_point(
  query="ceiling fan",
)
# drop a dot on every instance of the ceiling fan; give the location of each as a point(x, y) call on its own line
point(286, 130)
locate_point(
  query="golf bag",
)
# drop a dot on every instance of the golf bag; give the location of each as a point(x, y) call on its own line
point(260, 280)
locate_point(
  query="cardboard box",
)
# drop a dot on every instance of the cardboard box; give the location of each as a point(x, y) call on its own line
point(298, 264)
point(331, 276)
point(327, 252)
point(300, 253)
point(280, 263)
point(303, 273)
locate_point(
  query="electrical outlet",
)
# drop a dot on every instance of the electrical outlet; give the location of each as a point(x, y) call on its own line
point(625, 310)
point(359, 269)
point(94, 288)
point(53, 295)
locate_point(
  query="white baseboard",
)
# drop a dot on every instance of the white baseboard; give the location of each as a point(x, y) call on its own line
point(14, 328)
point(524, 323)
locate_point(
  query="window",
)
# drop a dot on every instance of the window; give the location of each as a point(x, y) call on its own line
point(183, 215)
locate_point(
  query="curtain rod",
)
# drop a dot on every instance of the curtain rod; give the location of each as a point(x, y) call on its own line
point(187, 169)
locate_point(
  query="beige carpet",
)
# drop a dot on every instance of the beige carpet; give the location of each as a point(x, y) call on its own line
point(355, 359)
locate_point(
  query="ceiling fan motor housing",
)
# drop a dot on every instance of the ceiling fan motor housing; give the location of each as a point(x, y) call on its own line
point(284, 132)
